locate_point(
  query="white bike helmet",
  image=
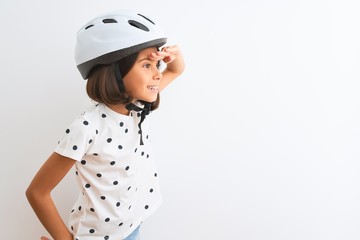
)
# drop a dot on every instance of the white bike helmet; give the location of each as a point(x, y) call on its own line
point(113, 36)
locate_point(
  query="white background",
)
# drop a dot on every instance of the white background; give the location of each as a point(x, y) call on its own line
point(257, 140)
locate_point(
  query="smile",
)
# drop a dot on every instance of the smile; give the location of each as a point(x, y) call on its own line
point(153, 88)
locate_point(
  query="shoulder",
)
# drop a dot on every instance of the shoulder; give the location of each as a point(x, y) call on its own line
point(86, 123)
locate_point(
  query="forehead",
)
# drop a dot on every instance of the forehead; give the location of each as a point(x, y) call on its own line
point(146, 51)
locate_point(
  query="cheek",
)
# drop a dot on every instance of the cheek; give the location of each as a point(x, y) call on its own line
point(135, 85)
point(128, 83)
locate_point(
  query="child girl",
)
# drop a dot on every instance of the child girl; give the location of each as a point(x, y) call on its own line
point(109, 144)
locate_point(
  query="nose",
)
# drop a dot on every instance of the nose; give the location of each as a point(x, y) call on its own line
point(157, 75)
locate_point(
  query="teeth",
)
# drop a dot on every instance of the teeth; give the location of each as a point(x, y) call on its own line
point(153, 87)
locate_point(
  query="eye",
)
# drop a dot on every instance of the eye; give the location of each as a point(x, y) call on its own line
point(147, 65)
point(158, 65)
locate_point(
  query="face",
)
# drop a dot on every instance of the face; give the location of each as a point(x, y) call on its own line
point(144, 77)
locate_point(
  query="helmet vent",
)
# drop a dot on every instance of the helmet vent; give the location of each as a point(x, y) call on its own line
point(138, 25)
point(109, 20)
point(89, 26)
point(146, 18)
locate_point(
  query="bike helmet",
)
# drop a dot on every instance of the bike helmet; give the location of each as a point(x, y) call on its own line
point(113, 36)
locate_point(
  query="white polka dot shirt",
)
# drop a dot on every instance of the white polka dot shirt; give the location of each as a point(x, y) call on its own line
point(117, 176)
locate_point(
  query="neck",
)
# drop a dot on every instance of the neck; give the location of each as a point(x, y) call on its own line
point(119, 108)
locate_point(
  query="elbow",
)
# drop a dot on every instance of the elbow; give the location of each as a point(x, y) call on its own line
point(29, 193)
point(181, 69)
point(32, 195)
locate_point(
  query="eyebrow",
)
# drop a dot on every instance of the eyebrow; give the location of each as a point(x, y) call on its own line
point(146, 58)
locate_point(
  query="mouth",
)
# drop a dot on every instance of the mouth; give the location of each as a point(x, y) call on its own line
point(153, 88)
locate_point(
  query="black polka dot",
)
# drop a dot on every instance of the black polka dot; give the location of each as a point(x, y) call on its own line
point(79, 208)
point(127, 168)
point(109, 140)
point(90, 141)
point(120, 224)
point(87, 185)
point(120, 147)
point(147, 155)
point(142, 153)
point(151, 190)
point(115, 182)
point(83, 162)
point(129, 188)
point(155, 174)
point(129, 207)
point(126, 130)
point(118, 204)
point(147, 136)
point(103, 197)
point(107, 219)
point(76, 173)
point(95, 154)
point(146, 206)
point(72, 210)
point(98, 175)
point(74, 147)
point(121, 124)
point(112, 162)
point(92, 209)
point(106, 238)
point(67, 131)
point(96, 131)
point(72, 228)
point(138, 114)
point(92, 231)
point(131, 225)
point(85, 123)
point(103, 115)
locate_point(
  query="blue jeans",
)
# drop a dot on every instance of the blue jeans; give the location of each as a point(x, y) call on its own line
point(134, 235)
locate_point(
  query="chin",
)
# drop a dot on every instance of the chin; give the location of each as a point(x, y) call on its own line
point(150, 99)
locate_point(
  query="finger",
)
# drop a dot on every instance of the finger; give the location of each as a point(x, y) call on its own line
point(163, 53)
point(171, 49)
point(168, 59)
point(158, 55)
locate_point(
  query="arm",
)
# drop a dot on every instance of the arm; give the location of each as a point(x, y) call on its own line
point(172, 56)
point(38, 195)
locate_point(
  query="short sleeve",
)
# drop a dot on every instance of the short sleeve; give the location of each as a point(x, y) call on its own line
point(76, 140)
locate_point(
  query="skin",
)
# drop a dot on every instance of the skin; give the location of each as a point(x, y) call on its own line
point(144, 80)
point(145, 74)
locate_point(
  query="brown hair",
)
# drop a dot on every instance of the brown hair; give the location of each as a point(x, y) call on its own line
point(102, 86)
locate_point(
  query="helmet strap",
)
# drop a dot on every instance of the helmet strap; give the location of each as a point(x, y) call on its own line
point(145, 110)
point(119, 79)
point(131, 106)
